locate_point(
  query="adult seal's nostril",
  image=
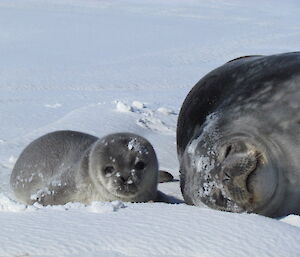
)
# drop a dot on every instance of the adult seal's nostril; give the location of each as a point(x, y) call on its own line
point(234, 147)
point(239, 165)
point(235, 171)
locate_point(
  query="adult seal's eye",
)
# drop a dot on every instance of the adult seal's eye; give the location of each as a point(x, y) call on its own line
point(139, 165)
point(109, 170)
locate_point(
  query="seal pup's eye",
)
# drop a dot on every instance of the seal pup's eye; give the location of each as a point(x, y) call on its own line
point(139, 165)
point(108, 171)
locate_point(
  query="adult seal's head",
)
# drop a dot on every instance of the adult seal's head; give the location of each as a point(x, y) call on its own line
point(238, 137)
point(125, 165)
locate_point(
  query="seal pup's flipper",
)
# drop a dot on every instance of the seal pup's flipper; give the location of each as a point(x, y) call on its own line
point(163, 198)
point(164, 176)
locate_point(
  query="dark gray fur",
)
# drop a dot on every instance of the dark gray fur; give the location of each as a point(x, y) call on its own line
point(238, 137)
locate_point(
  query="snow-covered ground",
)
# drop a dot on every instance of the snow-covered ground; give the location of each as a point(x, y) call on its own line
point(126, 65)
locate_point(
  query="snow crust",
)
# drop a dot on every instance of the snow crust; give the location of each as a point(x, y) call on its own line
point(101, 66)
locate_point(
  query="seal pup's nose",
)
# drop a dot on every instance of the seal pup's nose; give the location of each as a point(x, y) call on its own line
point(125, 177)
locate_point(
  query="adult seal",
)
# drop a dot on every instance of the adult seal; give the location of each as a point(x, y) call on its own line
point(70, 166)
point(238, 137)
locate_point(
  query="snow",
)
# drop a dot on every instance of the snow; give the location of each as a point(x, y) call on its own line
point(102, 66)
point(150, 229)
point(138, 105)
point(122, 107)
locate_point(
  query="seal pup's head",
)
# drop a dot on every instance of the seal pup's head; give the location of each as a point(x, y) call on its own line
point(124, 166)
point(234, 165)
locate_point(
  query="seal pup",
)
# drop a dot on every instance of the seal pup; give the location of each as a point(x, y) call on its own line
point(238, 137)
point(70, 166)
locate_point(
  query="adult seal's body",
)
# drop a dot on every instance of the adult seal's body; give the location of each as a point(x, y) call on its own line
point(238, 137)
point(68, 166)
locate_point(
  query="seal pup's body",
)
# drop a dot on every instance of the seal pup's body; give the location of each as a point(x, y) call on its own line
point(238, 137)
point(70, 166)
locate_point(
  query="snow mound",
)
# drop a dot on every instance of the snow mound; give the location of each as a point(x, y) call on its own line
point(122, 107)
point(292, 219)
point(138, 105)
